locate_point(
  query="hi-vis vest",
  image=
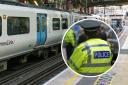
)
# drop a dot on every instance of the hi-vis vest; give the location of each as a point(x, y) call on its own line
point(92, 57)
point(70, 38)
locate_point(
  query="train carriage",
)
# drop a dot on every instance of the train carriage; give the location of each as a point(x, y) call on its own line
point(26, 29)
point(17, 30)
point(48, 27)
point(23, 31)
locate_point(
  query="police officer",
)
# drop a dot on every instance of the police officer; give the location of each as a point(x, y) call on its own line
point(70, 42)
point(76, 29)
point(93, 56)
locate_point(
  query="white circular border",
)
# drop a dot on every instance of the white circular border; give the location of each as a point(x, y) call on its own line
point(98, 21)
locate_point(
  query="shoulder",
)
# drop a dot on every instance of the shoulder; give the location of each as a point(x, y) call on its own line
point(80, 46)
point(96, 40)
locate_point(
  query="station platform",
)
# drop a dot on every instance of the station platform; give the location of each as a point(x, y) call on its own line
point(116, 76)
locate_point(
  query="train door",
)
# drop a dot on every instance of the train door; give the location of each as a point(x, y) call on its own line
point(41, 28)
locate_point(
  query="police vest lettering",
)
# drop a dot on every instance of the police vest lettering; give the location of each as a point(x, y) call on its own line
point(101, 54)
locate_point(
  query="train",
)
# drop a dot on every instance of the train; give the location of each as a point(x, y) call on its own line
point(26, 29)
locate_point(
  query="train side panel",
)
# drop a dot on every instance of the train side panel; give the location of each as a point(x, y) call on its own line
point(13, 41)
point(53, 26)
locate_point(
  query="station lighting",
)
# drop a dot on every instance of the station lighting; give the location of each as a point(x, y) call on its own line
point(36, 3)
point(25, 1)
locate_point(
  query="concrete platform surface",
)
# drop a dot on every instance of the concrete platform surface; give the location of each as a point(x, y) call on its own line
point(121, 69)
point(66, 77)
point(116, 76)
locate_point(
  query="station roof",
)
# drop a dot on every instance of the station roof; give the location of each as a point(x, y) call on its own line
point(107, 2)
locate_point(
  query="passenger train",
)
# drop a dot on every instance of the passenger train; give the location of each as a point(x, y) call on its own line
point(26, 29)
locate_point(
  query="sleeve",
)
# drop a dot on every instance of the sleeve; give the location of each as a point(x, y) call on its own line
point(76, 59)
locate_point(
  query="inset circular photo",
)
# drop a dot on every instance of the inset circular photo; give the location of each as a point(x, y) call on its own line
point(90, 47)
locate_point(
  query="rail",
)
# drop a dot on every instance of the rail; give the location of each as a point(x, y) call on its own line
point(28, 72)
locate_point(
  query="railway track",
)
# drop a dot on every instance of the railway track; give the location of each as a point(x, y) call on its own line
point(45, 75)
point(36, 71)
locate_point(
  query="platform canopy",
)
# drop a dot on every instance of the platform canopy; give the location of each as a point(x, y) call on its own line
point(106, 2)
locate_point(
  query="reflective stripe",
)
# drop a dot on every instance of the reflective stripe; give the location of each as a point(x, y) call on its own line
point(99, 45)
point(96, 65)
point(77, 70)
point(88, 53)
point(89, 74)
point(88, 47)
point(89, 64)
point(73, 64)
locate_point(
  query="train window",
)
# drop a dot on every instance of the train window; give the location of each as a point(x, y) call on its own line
point(56, 23)
point(0, 26)
point(18, 25)
point(43, 23)
point(38, 24)
point(64, 23)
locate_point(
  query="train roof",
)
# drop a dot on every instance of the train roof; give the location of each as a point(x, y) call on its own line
point(14, 3)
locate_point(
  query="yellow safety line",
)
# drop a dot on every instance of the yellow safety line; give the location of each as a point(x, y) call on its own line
point(112, 80)
point(96, 81)
point(70, 81)
point(108, 84)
